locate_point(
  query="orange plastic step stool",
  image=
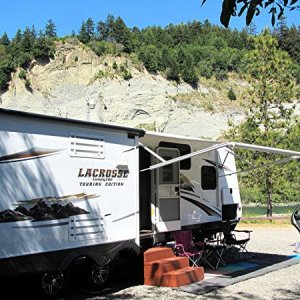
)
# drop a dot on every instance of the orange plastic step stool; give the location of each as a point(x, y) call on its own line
point(163, 268)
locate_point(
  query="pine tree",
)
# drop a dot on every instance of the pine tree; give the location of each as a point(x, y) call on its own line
point(281, 29)
point(273, 85)
point(269, 119)
point(50, 29)
point(27, 40)
point(102, 31)
point(251, 29)
point(90, 28)
point(86, 33)
point(44, 47)
point(291, 42)
point(18, 37)
point(121, 33)
point(4, 40)
point(83, 35)
point(33, 32)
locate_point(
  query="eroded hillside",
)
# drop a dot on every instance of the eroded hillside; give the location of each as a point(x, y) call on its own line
point(63, 86)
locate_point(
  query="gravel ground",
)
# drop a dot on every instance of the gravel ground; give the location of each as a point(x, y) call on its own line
point(281, 284)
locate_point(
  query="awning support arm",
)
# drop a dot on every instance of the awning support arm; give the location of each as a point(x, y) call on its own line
point(266, 149)
point(223, 163)
point(276, 162)
point(152, 152)
point(180, 158)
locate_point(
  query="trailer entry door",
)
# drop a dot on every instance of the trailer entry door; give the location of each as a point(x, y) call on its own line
point(168, 193)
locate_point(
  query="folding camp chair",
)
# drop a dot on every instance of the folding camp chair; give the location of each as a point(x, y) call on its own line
point(233, 244)
point(213, 250)
point(213, 254)
point(185, 246)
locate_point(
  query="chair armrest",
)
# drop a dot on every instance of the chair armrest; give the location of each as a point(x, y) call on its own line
point(243, 231)
point(179, 247)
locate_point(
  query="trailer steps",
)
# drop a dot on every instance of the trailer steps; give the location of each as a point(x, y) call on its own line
point(163, 268)
point(146, 234)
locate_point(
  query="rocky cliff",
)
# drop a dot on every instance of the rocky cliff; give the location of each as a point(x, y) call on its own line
point(77, 76)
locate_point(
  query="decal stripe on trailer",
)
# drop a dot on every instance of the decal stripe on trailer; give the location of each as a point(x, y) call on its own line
point(32, 153)
point(41, 226)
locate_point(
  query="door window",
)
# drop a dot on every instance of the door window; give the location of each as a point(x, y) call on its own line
point(168, 174)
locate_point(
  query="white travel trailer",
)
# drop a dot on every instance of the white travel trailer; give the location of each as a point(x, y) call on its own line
point(69, 190)
point(81, 193)
point(192, 193)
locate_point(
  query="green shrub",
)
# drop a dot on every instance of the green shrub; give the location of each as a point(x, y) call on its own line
point(122, 69)
point(127, 75)
point(206, 71)
point(100, 74)
point(28, 84)
point(208, 105)
point(221, 75)
point(115, 66)
point(172, 74)
point(4, 79)
point(22, 74)
point(231, 95)
point(189, 75)
point(99, 47)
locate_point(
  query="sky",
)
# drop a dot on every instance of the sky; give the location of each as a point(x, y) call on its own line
point(69, 14)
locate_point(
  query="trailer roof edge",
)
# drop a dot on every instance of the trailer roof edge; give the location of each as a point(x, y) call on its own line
point(131, 130)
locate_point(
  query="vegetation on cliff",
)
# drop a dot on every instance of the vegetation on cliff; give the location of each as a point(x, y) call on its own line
point(180, 52)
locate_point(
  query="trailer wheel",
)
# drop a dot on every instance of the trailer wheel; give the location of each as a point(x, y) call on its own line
point(98, 275)
point(52, 283)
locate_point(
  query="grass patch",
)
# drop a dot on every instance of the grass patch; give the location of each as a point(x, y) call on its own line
point(267, 221)
point(208, 106)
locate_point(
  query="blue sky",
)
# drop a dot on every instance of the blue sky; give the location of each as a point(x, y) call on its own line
point(68, 15)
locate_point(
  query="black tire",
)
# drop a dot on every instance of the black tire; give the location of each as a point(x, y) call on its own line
point(52, 284)
point(98, 275)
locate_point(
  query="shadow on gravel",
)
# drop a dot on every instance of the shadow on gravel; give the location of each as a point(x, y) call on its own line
point(130, 273)
point(126, 274)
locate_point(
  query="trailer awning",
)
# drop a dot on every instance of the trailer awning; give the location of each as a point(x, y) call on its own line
point(292, 155)
point(266, 149)
point(275, 162)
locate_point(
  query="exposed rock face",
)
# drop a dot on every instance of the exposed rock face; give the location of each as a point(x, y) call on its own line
point(63, 86)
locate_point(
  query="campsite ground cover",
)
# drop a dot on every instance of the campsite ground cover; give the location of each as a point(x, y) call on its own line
point(280, 284)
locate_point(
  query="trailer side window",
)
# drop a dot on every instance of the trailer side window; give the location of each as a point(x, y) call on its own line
point(208, 178)
point(183, 150)
point(85, 146)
